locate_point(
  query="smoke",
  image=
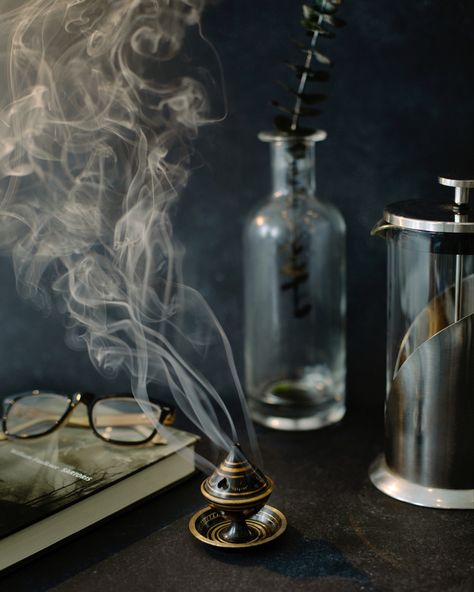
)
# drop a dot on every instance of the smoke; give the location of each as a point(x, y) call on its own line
point(95, 133)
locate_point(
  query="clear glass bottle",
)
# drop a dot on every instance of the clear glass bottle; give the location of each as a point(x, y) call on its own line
point(294, 267)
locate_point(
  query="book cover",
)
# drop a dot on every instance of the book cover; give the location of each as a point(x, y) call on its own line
point(55, 486)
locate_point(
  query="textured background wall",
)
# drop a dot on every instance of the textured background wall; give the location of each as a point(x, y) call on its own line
point(400, 112)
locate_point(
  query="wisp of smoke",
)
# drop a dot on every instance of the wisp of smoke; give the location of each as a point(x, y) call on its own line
point(95, 128)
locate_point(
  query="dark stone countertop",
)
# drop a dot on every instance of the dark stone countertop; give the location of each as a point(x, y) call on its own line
point(343, 534)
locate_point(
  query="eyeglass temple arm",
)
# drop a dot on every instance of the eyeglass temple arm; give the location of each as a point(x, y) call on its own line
point(170, 417)
point(159, 439)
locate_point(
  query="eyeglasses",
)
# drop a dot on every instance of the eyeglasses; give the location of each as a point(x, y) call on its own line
point(118, 418)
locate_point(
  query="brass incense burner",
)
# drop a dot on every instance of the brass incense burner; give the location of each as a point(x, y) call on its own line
point(237, 515)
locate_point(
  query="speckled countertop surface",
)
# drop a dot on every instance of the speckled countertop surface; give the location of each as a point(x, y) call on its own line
point(343, 534)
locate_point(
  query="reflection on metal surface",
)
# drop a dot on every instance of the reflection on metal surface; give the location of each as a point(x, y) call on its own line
point(380, 228)
point(431, 216)
point(439, 313)
point(430, 410)
point(406, 491)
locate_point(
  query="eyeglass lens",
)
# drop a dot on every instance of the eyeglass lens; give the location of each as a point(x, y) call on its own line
point(35, 415)
point(124, 420)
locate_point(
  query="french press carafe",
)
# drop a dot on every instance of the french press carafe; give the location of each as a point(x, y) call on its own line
point(429, 410)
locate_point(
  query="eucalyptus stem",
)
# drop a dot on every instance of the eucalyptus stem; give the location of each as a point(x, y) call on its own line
point(304, 77)
point(318, 20)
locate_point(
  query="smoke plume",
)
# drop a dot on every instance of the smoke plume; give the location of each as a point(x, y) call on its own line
point(95, 132)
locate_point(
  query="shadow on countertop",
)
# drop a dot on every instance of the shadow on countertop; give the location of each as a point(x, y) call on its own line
point(299, 558)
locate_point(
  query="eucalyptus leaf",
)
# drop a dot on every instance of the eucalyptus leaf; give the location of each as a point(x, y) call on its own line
point(308, 98)
point(314, 27)
point(318, 56)
point(321, 58)
point(313, 75)
point(312, 98)
point(325, 6)
point(310, 13)
point(283, 108)
point(334, 21)
point(287, 87)
point(314, 21)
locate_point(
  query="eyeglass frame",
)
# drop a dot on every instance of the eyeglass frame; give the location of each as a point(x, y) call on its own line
point(167, 417)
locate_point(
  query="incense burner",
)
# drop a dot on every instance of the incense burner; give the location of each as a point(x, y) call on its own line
point(237, 516)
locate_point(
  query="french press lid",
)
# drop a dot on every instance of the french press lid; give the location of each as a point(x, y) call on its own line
point(456, 216)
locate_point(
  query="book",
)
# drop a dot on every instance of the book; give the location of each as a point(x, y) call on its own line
point(54, 487)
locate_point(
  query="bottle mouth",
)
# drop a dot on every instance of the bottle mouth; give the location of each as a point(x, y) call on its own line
point(296, 136)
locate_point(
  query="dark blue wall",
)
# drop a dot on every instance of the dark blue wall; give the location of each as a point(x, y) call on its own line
point(400, 112)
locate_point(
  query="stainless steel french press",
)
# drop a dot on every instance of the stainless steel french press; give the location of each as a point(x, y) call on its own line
point(429, 411)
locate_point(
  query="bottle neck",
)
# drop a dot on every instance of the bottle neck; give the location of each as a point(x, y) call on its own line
point(293, 168)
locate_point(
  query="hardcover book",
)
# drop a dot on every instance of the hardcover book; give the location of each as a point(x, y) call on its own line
point(56, 486)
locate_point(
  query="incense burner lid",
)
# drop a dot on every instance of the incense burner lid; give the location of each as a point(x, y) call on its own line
point(237, 484)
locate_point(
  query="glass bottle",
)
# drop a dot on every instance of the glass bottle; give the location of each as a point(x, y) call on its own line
point(294, 273)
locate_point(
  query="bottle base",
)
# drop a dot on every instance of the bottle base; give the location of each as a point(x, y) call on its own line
point(296, 419)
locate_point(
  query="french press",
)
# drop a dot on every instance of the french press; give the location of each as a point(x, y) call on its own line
point(429, 409)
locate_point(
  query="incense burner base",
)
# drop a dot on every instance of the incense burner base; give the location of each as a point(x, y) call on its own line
point(209, 525)
point(430, 497)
